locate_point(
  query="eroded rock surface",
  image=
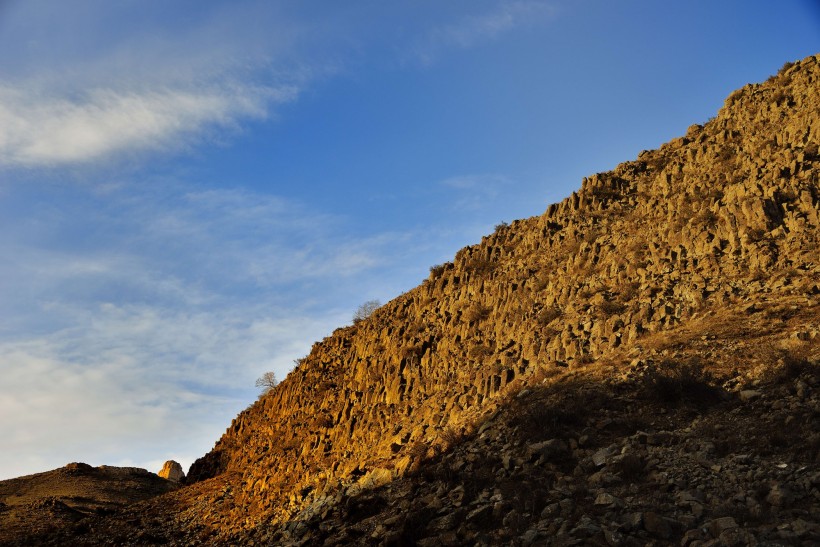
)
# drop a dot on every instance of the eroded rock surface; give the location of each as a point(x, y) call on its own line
point(172, 471)
point(722, 219)
point(637, 365)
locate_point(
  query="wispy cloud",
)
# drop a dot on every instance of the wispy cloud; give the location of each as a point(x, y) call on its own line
point(39, 129)
point(156, 327)
point(162, 81)
point(134, 382)
point(475, 29)
point(137, 311)
point(476, 191)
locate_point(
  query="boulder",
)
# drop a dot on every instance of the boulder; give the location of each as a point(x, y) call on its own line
point(172, 471)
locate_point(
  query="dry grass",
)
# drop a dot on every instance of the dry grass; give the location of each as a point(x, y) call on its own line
point(477, 312)
point(451, 437)
point(479, 352)
point(612, 307)
point(480, 266)
point(548, 315)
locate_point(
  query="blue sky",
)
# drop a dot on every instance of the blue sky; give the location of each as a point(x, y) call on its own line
point(192, 192)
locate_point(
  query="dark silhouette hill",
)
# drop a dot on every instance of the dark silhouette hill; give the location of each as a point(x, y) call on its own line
point(637, 365)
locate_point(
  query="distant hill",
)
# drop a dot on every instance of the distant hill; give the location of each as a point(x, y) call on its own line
point(43, 502)
point(638, 364)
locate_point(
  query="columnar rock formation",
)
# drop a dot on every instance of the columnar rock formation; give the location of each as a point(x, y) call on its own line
point(726, 214)
point(544, 345)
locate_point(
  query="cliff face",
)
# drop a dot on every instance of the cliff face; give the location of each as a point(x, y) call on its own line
point(723, 217)
point(618, 320)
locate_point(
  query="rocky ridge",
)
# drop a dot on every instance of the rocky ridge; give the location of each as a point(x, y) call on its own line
point(41, 503)
point(726, 215)
point(614, 371)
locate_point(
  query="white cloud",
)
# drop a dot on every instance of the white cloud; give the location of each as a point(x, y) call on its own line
point(51, 130)
point(141, 342)
point(141, 382)
point(134, 78)
point(137, 315)
point(476, 191)
point(476, 181)
point(475, 29)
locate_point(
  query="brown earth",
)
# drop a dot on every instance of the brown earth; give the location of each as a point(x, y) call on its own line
point(638, 365)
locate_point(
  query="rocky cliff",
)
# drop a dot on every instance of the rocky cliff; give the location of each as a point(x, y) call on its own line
point(727, 214)
point(497, 401)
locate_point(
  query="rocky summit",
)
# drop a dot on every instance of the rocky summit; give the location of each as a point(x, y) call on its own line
point(639, 365)
point(172, 471)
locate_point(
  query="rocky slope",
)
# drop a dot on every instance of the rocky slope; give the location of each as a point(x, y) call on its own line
point(637, 364)
point(62, 498)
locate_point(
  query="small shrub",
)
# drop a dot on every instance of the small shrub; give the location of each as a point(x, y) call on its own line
point(411, 353)
point(793, 363)
point(756, 235)
point(543, 373)
point(726, 154)
point(541, 282)
point(715, 194)
point(611, 307)
point(585, 359)
point(630, 291)
point(548, 315)
point(676, 381)
point(267, 382)
point(781, 96)
point(418, 451)
point(708, 218)
point(592, 235)
point(498, 369)
point(451, 437)
point(733, 97)
point(480, 266)
point(323, 421)
point(586, 293)
point(501, 225)
point(436, 270)
point(416, 326)
point(656, 161)
point(606, 193)
point(479, 352)
point(365, 310)
point(476, 313)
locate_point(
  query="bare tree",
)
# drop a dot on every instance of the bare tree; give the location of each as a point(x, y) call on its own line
point(267, 381)
point(365, 310)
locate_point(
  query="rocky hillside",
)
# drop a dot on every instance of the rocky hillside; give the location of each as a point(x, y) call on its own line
point(637, 364)
point(62, 498)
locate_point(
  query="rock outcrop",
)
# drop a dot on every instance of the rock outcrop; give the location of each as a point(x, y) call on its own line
point(725, 216)
point(172, 471)
point(638, 364)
